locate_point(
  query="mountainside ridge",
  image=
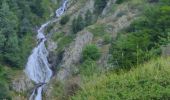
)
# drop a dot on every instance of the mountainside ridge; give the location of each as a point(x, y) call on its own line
point(96, 47)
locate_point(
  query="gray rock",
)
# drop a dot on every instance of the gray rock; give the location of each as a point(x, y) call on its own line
point(22, 84)
point(72, 55)
point(166, 50)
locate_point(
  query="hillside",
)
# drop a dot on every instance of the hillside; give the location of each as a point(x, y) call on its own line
point(121, 37)
point(146, 82)
point(86, 49)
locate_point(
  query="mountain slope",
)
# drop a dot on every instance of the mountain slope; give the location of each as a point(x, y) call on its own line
point(124, 34)
point(97, 49)
point(147, 81)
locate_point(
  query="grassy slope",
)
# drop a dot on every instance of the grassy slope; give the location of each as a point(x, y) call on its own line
point(149, 81)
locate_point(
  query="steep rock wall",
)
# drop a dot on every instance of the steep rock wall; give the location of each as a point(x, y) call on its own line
point(72, 55)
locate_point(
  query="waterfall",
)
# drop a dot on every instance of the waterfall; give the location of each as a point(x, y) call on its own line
point(37, 67)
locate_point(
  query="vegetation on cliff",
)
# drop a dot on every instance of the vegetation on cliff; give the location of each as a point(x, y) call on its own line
point(120, 59)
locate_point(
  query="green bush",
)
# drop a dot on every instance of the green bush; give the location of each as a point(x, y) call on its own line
point(107, 38)
point(99, 5)
point(143, 39)
point(18, 19)
point(4, 92)
point(88, 18)
point(78, 24)
point(119, 1)
point(88, 68)
point(63, 42)
point(131, 49)
point(64, 20)
point(98, 30)
point(91, 52)
point(4, 84)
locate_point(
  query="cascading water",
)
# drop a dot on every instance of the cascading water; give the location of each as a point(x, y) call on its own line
point(37, 67)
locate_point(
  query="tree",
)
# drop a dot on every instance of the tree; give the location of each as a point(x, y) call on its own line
point(78, 24)
point(74, 25)
point(25, 26)
point(99, 5)
point(4, 92)
point(8, 27)
point(2, 42)
point(130, 49)
point(88, 18)
point(64, 20)
point(144, 38)
point(37, 8)
point(11, 51)
point(119, 1)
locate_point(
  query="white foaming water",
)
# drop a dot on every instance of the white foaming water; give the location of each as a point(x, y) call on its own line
point(61, 10)
point(39, 96)
point(37, 67)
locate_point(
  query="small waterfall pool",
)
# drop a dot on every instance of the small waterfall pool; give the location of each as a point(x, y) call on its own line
point(37, 67)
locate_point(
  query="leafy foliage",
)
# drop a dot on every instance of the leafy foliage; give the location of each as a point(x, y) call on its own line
point(120, 1)
point(143, 39)
point(88, 18)
point(4, 92)
point(17, 18)
point(88, 68)
point(99, 6)
point(78, 24)
point(9, 34)
point(91, 52)
point(107, 38)
point(64, 20)
point(4, 84)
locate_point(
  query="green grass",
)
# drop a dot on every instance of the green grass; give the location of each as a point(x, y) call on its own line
point(150, 81)
point(56, 36)
point(98, 30)
point(63, 41)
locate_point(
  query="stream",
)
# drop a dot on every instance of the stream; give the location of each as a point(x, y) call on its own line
point(38, 68)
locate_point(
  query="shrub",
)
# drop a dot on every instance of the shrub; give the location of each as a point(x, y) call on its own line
point(99, 6)
point(4, 92)
point(88, 68)
point(119, 1)
point(107, 38)
point(4, 84)
point(91, 52)
point(143, 39)
point(63, 42)
point(88, 18)
point(64, 20)
point(98, 30)
point(78, 24)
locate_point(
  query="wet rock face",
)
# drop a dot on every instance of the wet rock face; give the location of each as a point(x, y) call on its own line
point(72, 55)
point(22, 84)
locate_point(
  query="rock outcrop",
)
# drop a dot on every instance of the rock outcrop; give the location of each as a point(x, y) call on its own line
point(22, 84)
point(72, 55)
